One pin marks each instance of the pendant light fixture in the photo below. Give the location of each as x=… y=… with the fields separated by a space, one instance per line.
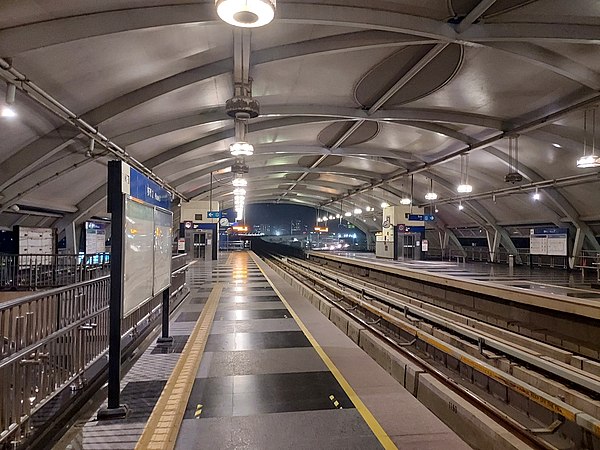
x=591 y=160
x=513 y=161
x=431 y=195
x=406 y=200
x=464 y=187
x=241 y=149
x=239 y=181
x=246 y=13
x=7 y=110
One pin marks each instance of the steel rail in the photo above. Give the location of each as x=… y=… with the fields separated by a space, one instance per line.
x=589 y=382
x=481 y=404
x=534 y=394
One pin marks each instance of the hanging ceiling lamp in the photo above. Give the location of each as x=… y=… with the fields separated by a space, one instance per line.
x=241 y=149
x=431 y=195
x=239 y=181
x=513 y=161
x=592 y=160
x=464 y=187
x=8 y=109
x=246 y=13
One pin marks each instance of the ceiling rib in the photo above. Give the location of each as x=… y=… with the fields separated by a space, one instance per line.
x=382 y=100
x=48 y=102
x=529 y=126
x=474 y=15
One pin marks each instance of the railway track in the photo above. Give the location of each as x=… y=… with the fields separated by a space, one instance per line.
x=526 y=385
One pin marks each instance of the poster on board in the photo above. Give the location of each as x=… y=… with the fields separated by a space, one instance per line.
x=163 y=235
x=538 y=245
x=139 y=254
x=557 y=245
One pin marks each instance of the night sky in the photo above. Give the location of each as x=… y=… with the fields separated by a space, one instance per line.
x=281 y=216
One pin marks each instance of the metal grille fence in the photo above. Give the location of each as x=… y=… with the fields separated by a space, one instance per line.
x=49 y=339
x=31 y=272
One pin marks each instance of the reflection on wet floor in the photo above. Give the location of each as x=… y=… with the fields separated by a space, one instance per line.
x=545 y=280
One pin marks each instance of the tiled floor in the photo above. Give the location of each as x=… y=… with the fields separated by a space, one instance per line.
x=261 y=384
x=259 y=370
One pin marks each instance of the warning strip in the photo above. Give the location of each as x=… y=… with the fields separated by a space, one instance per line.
x=163 y=426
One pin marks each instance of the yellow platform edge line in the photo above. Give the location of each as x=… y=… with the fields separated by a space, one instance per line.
x=164 y=423
x=366 y=414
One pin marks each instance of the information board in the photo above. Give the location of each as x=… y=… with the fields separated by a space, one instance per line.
x=163 y=233
x=549 y=241
x=95 y=238
x=36 y=241
x=139 y=255
x=557 y=245
x=538 y=245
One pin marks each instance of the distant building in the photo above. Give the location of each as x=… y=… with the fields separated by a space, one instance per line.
x=297 y=227
x=262 y=228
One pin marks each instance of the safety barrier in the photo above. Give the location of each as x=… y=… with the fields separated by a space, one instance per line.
x=49 y=339
x=31 y=272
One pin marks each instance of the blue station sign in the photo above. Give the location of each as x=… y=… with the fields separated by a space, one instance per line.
x=214 y=214
x=420 y=217
x=143 y=188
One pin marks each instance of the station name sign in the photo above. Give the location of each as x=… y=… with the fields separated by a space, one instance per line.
x=139 y=186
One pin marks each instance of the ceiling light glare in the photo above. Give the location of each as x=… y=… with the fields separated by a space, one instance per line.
x=246 y=13
x=557 y=145
x=437 y=210
x=536 y=195
x=239 y=182
x=405 y=201
x=337 y=216
x=588 y=162
x=369 y=209
x=431 y=196
x=385 y=205
x=7 y=109
x=460 y=206
x=348 y=214
x=331 y=217
x=239 y=192
x=9 y=112
x=325 y=218
x=241 y=149
x=357 y=211
x=464 y=189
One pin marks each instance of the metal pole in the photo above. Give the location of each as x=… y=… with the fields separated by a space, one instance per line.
x=116 y=206
x=165 y=338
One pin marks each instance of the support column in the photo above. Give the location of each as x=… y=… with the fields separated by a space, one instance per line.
x=71 y=238
x=577 y=247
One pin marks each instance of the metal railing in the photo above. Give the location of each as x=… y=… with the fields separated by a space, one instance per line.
x=31 y=272
x=49 y=339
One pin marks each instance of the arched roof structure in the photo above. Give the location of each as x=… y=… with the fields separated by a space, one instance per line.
x=357 y=98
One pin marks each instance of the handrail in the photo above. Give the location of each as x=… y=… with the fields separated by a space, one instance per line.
x=55 y=291
x=49 y=339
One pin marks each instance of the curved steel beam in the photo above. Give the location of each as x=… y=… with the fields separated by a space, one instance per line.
x=38 y=151
x=66 y=29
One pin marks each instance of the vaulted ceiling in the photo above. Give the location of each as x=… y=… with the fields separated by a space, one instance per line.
x=357 y=98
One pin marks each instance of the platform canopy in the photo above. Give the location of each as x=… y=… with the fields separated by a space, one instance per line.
x=361 y=102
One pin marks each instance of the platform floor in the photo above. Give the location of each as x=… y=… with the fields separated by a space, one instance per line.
x=274 y=374
x=546 y=280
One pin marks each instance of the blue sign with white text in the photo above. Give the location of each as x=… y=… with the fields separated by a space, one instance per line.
x=214 y=214
x=420 y=217
x=147 y=190
x=544 y=231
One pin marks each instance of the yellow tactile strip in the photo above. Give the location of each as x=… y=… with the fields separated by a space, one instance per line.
x=163 y=426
